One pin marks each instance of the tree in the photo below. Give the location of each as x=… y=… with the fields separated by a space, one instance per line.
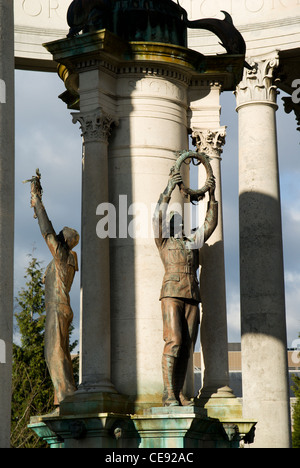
x=33 y=392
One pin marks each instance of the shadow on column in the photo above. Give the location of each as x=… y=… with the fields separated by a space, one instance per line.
x=213 y=333
x=263 y=320
x=122 y=268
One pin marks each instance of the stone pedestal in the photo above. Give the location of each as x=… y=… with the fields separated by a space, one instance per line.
x=157 y=428
x=96 y=430
x=185 y=427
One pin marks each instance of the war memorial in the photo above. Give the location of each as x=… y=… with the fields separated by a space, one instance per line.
x=141 y=78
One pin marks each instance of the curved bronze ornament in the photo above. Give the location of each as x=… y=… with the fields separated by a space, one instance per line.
x=187 y=157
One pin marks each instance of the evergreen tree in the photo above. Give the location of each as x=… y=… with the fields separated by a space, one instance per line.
x=33 y=392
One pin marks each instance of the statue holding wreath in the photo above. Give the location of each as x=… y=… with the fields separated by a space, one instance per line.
x=180 y=293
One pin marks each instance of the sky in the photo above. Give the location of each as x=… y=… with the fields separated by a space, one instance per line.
x=47 y=139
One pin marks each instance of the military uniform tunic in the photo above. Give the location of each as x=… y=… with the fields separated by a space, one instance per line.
x=180 y=292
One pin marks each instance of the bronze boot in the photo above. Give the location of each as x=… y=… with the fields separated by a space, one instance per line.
x=181 y=370
x=168 y=370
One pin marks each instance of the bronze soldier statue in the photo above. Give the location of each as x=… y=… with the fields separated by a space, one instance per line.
x=58 y=280
x=180 y=293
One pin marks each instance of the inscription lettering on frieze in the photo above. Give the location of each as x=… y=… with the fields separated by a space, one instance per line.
x=156 y=88
x=48 y=9
x=239 y=7
x=296 y=93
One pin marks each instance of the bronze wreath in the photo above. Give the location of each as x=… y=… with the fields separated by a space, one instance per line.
x=201 y=158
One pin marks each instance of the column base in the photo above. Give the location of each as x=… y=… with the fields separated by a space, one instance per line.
x=220 y=404
x=89 y=401
x=85 y=402
x=227 y=408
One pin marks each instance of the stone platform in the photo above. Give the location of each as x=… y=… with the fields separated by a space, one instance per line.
x=157 y=428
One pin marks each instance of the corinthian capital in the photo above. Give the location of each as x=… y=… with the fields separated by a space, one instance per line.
x=95 y=125
x=210 y=141
x=258 y=84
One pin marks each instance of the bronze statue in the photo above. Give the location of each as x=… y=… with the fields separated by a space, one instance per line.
x=82 y=14
x=132 y=19
x=180 y=293
x=58 y=280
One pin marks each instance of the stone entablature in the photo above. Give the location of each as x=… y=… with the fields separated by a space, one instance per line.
x=266 y=25
x=38 y=22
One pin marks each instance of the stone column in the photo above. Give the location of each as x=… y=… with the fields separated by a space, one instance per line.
x=6 y=213
x=152 y=112
x=95 y=270
x=263 y=322
x=213 y=328
x=209 y=137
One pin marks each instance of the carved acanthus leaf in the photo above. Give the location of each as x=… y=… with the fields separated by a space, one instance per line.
x=95 y=126
x=209 y=141
x=259 y=83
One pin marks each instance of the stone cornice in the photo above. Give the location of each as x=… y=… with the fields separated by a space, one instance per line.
x=104 y=48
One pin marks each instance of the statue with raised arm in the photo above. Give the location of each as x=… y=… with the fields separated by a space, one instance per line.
x=180 y=293
x=58 y=280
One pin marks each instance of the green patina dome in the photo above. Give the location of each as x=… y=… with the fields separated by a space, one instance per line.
x=155 y=21
x=132 y=20
x=150 y=20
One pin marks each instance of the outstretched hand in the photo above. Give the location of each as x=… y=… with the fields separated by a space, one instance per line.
x=36 y=188
x=212 y=187
x=174 y=180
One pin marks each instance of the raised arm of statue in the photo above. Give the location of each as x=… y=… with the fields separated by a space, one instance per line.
x=160 y=228
x=203 y=233
x=45 y=224
x=211 y=219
